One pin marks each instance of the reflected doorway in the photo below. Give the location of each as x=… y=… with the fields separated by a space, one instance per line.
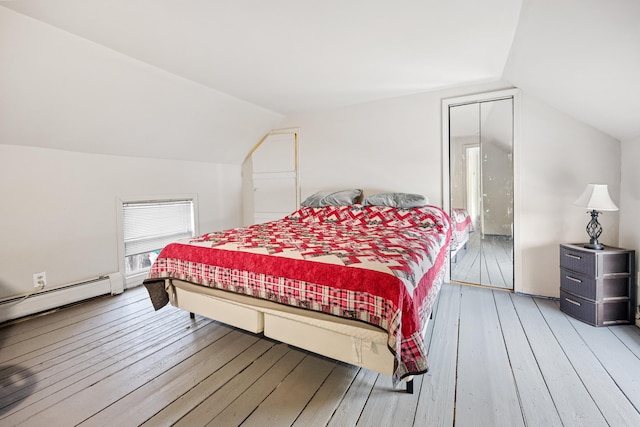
x=472 y=169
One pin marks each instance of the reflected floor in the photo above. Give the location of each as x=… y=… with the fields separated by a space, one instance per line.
x=493 y=268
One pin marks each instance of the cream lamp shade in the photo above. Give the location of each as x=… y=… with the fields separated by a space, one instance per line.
x=596 y=197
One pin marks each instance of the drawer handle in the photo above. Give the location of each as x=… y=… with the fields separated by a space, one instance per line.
x=572 y=302
x=573 y=256
x=573 y=279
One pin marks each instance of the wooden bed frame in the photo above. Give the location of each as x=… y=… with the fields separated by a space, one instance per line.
x=349 y=341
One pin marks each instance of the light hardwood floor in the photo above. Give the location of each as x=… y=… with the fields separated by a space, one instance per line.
x=496 y=359
x=487 y=261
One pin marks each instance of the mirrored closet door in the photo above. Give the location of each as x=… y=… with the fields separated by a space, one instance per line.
x=481 y=192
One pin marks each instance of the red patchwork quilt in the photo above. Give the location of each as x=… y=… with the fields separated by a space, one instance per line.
x=376 y=264
x=462 y=226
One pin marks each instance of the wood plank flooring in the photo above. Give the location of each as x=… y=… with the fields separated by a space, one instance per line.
x=496 y=359
x=487 y=261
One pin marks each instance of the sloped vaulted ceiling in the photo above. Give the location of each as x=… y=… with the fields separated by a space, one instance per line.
x=582 y=57
x=64 y=92
x=291 y=56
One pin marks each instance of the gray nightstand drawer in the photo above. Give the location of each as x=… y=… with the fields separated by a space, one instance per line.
x=578 y=284
x=576 y=260
x=578 y=308
x=615 y=287
x=610 y=287
x=608 y=313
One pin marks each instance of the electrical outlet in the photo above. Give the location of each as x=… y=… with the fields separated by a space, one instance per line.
x=40 y=280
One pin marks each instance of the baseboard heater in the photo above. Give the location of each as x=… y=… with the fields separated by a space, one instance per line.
x=48 y=299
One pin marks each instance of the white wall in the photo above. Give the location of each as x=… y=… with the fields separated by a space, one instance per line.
x=59 y=208
x=390 y=145
x=396 y=145
x=630 y=201
x=68 y=96
x=558 y=157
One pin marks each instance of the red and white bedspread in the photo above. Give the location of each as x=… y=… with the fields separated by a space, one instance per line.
x=462 y=226
x=376 y=264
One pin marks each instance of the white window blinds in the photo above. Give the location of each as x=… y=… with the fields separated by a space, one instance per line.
x=149 y=226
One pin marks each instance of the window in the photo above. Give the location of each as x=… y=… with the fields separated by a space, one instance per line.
x=147 y=226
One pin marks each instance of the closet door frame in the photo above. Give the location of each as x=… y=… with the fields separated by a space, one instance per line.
x=446 y=178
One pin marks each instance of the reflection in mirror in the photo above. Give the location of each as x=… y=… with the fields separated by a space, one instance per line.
x=481 y=168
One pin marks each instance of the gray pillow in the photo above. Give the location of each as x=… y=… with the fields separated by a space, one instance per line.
x=333 y=198
x=397 y=200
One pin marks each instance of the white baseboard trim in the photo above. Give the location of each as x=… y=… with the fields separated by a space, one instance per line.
x=48 y=299
x=136 y=279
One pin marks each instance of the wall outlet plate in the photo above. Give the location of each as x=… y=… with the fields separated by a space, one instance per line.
x=40 y=280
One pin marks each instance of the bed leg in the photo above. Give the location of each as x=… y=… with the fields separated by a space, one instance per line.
x=192 y=315
x=410 y=386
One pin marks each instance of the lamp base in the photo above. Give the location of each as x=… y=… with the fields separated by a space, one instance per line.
x=594 y=230
x=597 y=246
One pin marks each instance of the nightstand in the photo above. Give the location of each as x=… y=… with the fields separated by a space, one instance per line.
x=598 y=286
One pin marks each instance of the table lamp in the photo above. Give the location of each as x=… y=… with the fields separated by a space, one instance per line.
x=595 y=198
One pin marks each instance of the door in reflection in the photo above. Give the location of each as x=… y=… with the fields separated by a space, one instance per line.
x=481 y=192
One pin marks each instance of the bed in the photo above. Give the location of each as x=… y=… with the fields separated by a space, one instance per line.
x=462 y=226
x=353 y=283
